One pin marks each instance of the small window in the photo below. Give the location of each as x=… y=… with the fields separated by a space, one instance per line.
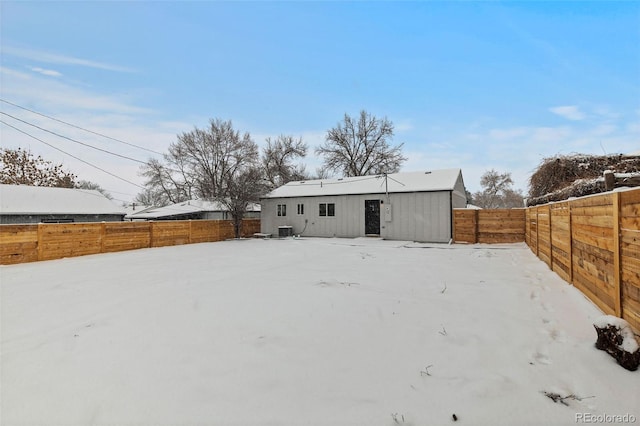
x=300 y=208
x=327 y=209
x=282 y=209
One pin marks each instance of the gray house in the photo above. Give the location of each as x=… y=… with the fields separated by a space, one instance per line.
x=415 y=206
x=192 y=209
x=39 y=204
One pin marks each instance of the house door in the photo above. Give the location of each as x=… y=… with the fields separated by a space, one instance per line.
x=372 y=217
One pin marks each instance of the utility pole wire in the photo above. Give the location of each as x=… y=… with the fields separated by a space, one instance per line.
x=72 y=140
x=73 y=156
x=81 y=128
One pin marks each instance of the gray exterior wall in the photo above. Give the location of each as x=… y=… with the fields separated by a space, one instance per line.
x=459 y=195
x=37 y=218
x=415 y=216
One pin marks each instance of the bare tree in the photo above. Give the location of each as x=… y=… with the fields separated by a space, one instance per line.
x=278 y=157
x=20 y=167
x=243 y=188
x=216 y=163
x=167 y=182
x=497 y=192
x=358 y=147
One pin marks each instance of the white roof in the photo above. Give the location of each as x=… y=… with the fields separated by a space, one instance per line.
x=23 y=199
x=186 y=207
x=435 y=180
x=135 y=208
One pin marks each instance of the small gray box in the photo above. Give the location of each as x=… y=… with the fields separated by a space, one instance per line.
x=285 y=231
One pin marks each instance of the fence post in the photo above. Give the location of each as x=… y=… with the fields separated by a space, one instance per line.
x=570 y=245
x=537 y=233
x=40 y=243
x=550 y=239
x=103 y=235
x=151 y=233
x=617 y=299
x=475 y=226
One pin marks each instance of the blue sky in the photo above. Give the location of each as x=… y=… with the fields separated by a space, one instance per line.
x=475 y=85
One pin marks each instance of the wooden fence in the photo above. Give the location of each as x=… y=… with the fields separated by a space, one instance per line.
x=488 y=226
x=33 y=242
x=593 y=243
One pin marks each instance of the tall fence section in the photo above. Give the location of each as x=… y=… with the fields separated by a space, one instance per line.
x=592 y=242
x=33 y=242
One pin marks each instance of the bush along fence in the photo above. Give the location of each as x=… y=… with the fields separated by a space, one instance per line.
x=593 y=243
x=33 y=242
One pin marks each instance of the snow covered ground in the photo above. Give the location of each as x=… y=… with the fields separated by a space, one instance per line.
x=306 y=331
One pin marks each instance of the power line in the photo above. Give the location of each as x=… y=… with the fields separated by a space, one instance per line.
x=71 y=155
x=72 y=140
x=81 y=128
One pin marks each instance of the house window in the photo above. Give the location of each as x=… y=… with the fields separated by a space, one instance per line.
x=300 y=208
x=327 y=209
x=282 y=209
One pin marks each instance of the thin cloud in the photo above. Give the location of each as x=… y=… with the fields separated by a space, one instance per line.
x=54 y=58
x=49 y=73
x=570 y=112
x=34 y=89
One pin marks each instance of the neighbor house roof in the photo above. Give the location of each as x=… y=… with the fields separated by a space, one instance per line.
x=435 y=180
x=22 y=199
x=185 y=208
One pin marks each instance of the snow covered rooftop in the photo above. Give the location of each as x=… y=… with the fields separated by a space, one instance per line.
x=22 y=199
x=435 y=180
x=186 y=207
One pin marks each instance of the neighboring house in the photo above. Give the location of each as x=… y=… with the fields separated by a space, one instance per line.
x=135 y=208
x=39 y=204
x=414 y=206
x=192 y=209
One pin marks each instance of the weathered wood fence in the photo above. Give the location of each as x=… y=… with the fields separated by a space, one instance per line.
x=33 y=242
x=593 y=243
x=489 y=226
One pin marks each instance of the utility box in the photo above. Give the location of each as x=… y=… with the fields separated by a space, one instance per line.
x=285 y=231
x=387 y=212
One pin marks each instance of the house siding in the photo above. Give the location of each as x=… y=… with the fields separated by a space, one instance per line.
x=415 y=216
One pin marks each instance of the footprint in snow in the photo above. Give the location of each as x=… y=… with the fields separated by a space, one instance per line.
x=547 y=307
x=541 y=357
